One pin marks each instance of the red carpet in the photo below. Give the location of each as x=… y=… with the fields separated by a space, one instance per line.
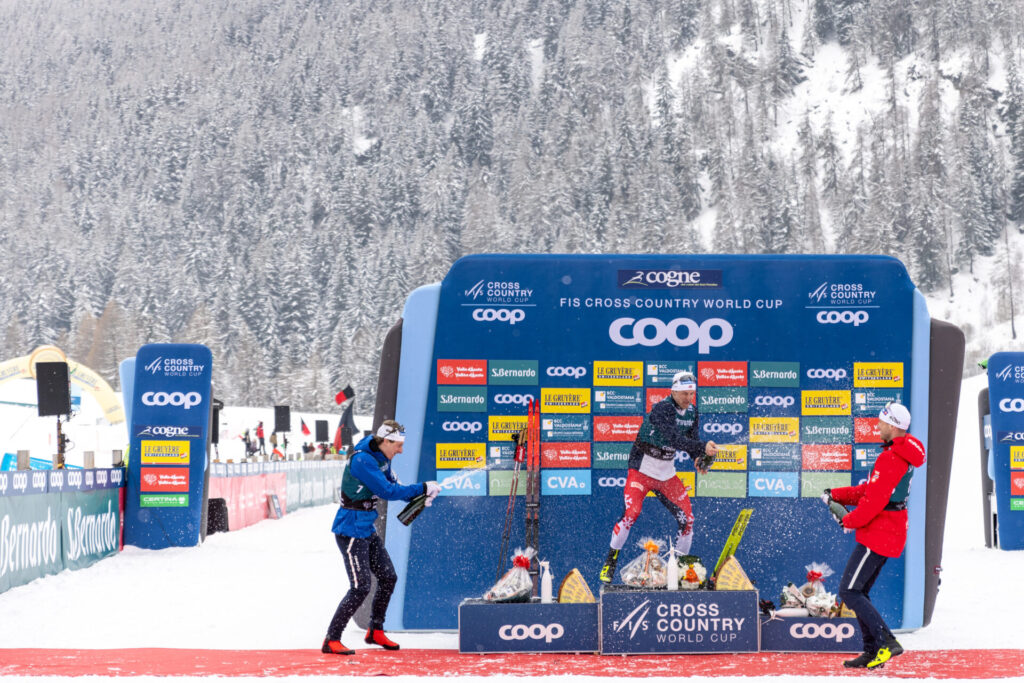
x=974 y=664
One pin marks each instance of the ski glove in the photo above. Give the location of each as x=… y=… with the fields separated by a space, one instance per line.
x=431 y=488
x=826 y=497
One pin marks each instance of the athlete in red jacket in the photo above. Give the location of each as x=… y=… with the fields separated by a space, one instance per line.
x=880 y=522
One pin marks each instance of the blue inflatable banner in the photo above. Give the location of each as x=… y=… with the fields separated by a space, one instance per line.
x=169 y=436
x=794 y=356
x=1006 y=399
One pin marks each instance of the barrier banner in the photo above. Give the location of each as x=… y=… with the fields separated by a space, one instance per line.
x=807 y=634
x=30 y=538
x=90 y=525
x=527 y=627
x=666 y=622
x=246 y=486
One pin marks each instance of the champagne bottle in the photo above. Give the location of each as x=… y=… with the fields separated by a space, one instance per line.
x=413 y=509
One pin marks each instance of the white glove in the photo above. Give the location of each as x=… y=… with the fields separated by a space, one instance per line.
x=432 y=491
x=826 y=498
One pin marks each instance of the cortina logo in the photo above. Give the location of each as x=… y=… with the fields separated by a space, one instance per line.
x=1012 y=405
x=177 y=398
x=633 y=621
x=838 y=633
x=820 y=293
x=476 y=290
x=454 y=426
x=855 y=318
x=567 y=371
x=534 y=632
x=505 y=315
x=1004 y=374
x=154 y=367
x=696 y=333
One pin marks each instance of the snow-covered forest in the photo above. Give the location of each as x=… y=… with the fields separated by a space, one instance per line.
x=272 y=178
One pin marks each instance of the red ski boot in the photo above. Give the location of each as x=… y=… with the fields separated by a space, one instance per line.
x=375 y=636
x=335 y=647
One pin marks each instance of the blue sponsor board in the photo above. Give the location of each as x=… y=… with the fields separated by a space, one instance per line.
x=511 y=400
x=565 y=427
x=618 y=401
x=772 y=402
x=807 y=634
x=565 y=483
x=660 y=373
x=676 y=622
x=1006 y=403
x=527 y=627
x=774 y=457
x=773 y=484
x=724 y=428
x=464 y=483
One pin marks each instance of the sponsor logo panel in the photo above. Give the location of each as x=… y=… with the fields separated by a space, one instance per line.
x=722 y=373
x=504 y=315
x=722 y=485
x=512 y=372
x=1017 y=484
x=178 y=399
x=498 y=292
x=500 y=483
x=163 y=500
x=656 y=395
x=827 y=457
x=457 y=456
x=564 y=400
x=774 y=485
x=565 y=483
x=567 y=372
x=501 y=455
x=841 y=294
x=774 y=374
x=826 y=430
x=1010 y=437
x=854 y=318
x=163 y=479
x=825 y=402
x=618 y=401
x=466 y=425
x=681 y=332
x=505 y=400
x=642 y=278
x=775 y=402
x=168 y=431
x=813 y=484
x=564 y=455
x=864 y=457
x=565 y=428
x=722 y=400
x=689 y=480
x=462 y=399
x=660 y=373
x=611 y=456
x=1017 y=505
x=1017 y=457
x=461 y=371
x=464 y=484
x=723 y=428
x=827 y=377
x=504 y=427
x=174 y=367
x=611 y=480
x=878 y=374
x=165 y=452
x=865 y=430
x=869 y=402
x=616 y=428
x=730 y=457
x=774 y=429
x=618 y=373
x=775 y=458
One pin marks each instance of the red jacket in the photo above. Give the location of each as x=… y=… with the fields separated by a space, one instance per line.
x=883 y=531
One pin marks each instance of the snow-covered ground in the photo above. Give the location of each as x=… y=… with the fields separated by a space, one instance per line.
x=275 y=586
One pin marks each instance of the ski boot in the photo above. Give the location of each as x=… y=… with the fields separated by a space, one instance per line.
x=375 y=636
x=335 y=647
x=860 y=661
x=892 y=648
x=608 y=570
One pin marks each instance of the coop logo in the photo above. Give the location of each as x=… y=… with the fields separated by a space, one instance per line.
x=567 y=371
x=503 y=315
x=827 y=373
x=670 y=279
x=454 y=426
x=712 y=333
x=782 y=401
x=611 y=482
x=512 y=399
x=723 y=428
x=547 y=633
x=176 y=432
x=842 y=294
x=855 y=318
x=177 y=398
x=1012 y=405
x=836 y=632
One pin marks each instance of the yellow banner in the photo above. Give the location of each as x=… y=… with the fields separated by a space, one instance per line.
x=688 y=478
x=457 y=456
x=618 y=373
x=826 y=402
x=504 y=427
x=774 y=429
x=878 y=374
x=730 y=457
x=565 y=400
x=1017 y=457
x=166 y=452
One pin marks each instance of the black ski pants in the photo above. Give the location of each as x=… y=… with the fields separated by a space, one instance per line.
x=861 y=571
x=363 y=556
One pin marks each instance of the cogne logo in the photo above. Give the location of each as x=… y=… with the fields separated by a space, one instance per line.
x=855 y=318
x=503 y=315
x=177 y=398
x=712 y=333
x=454 y=426
x=567 y=371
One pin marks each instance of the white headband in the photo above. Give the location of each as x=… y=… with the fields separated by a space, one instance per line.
x=390 y=433
x=684 y=386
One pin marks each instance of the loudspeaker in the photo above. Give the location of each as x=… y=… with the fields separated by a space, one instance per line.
x=346 y=436
x=321 y=431
x=53 y=389
x=215 y=420
x=282 y=419
x=216 y=515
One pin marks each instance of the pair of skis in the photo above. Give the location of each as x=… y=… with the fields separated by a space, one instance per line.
x=528 y=453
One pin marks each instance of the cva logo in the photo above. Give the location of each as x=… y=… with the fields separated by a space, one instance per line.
x=723 y=428
x=466 y=426
x=784 y=401
x=513 y=399
x=504 y=315
x=712 y=333
x=567 y=371
x=611 y=482
x=177 y=398
x=547 y=633
x=855 y=318
x=1012 y=405
x=838 y=633
x=827 y=373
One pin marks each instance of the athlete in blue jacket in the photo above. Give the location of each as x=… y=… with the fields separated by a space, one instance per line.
x=367 y=479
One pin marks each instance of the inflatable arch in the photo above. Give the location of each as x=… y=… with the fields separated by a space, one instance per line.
x=25 y=368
